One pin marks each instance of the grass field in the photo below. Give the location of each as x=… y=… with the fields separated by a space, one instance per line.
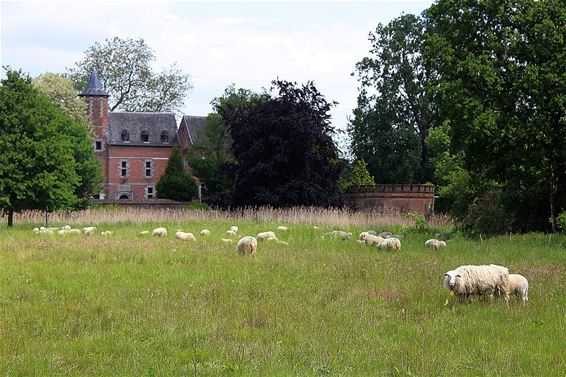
x=134 y=305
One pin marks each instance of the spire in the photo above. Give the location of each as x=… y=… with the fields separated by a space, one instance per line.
x=94 y=88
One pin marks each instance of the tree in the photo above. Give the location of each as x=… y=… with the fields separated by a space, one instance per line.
x=501 y=86
x=211 y=157
x=358 y=175
x=41 y=147
x=61 y=91
x=124 y=68
x=283 y=147
x=176 y=183
x=395 y=108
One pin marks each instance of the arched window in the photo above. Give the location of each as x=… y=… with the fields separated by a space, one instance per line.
x=164 y=137
x=125 y=136
x=124 y=197
x=145 y=136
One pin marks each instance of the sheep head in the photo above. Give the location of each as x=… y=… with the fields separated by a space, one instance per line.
x=450 y=279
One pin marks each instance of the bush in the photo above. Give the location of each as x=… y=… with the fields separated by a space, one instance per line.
x=561 y=221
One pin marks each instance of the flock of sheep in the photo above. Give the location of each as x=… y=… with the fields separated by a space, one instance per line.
x=465 y=282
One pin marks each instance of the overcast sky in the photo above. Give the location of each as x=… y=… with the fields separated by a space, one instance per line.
x=216 y=43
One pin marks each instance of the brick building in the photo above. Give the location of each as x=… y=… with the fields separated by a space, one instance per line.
x=133 y=147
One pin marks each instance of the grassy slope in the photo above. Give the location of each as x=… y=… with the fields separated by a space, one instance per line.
x=131 y=305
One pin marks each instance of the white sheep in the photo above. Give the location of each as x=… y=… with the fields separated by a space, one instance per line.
x=234 y=228
x=159 y=232
x=370 y=239
x=144 y=233
x=231 y=233
x=185 y=236
x=66 y=227
x=47 y=231
x=435 y=244
x=272 y=238
x=315 y=227
x=89 y=230
x=227 y=240
x=205 y=232
x=107 y=233
x=65 y=231
x=247 y=245
x=519 y=285
x=483 y=281
x=265 y=235
x=340 y=234
x=282 y=228
x=390 y=244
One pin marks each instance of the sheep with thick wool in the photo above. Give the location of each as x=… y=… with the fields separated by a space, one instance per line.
x=247 y=245
x=483 y=281
x=370 y=239
x=205 y=232
x=89 y=230
x=339 y=234
x=265 y=235
x=390 y=244
x=185 y=236
x=435 y=244
x=159 y=232
x=519 y=286
x=282 y=228
x=234 y=228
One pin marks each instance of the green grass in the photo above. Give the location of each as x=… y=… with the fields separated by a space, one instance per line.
x=134 y=305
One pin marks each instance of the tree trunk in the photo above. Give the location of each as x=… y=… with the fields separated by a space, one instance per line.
x=10 y=217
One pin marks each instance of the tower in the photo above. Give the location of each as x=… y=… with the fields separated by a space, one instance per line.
x=96 y=100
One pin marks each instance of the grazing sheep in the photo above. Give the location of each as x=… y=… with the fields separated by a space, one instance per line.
x=315 y=227
x=107 y=233
x=435 y=244
x=144 y=232
x=36 y=230
x=159 y=232
x=234 y=228
x=64 y=232
x=231 y=233
x=66 y=227
x=272 y=238
x=205 y=232
x=89 y=230
x=265 y=235
x=370 y=239
x=340 y=234
x=227 y=240
x=385 y=234
x=483 y=281
x=48 y=231
x=390 y=244
x=247 y=245
x=282 y=228
x=185 y=236
x=519 y=285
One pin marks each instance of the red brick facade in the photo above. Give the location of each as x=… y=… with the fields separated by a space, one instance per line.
x=403 y=198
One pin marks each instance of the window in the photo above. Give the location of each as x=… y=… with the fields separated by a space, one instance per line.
x=164 y=137
x=124 y=197
x=148 y=167
x=124 y=168
x=125 y=136
x=98 y=145
x=145 y=137
x=149 y=192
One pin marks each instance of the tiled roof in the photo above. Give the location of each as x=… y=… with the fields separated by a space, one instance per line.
x=94 y=88
x=136 y=125
x=194 y=125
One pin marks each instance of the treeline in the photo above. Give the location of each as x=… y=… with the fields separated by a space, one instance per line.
x=470 y=96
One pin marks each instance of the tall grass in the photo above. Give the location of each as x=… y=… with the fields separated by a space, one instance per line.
x=295 y=215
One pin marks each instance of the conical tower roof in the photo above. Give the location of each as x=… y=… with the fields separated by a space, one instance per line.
x=94 y=88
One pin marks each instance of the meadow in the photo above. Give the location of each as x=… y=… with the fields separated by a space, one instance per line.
x=144 y=306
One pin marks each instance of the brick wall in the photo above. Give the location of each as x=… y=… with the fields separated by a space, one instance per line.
x=404 y=198
x=134 y=184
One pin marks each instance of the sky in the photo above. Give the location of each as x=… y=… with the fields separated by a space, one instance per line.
x=248 y=44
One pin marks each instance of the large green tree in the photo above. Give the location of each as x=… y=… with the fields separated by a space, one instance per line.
x=501 y=89
x=47 y=159
x=211 y=158
x=176 y=183
x=283 y=147
x=395 y=108
x=124 y=68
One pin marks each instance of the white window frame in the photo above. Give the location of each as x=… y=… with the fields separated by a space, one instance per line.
x=101 y=146
x=147 y=194
x=121 y=167
x=145 y=168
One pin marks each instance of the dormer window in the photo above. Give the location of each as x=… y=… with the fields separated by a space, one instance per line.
x=164 y=137
x=125 y=136
x=145 y=136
